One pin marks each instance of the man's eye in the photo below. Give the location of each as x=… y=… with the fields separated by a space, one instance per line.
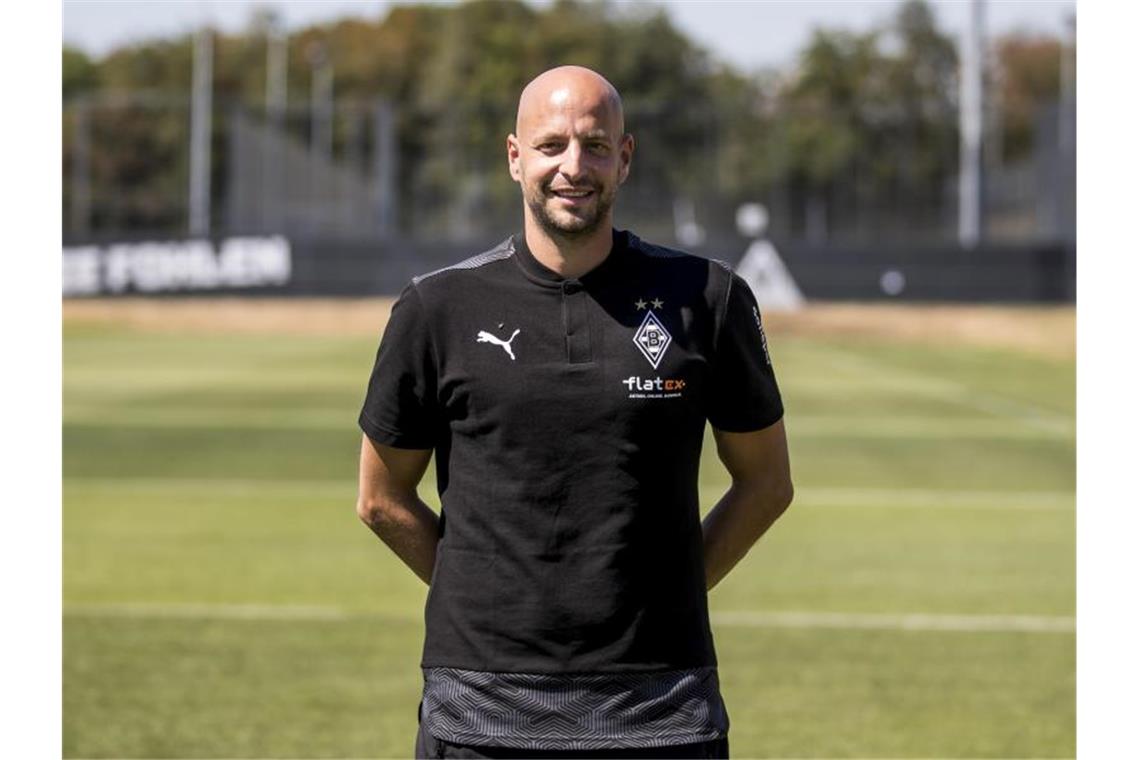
x=550 y=147
x=599 y=148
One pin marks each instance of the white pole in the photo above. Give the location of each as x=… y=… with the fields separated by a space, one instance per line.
x=321 y=101
x=970 y=127
x=201 y=109
x=273 y=193
x=276 y=74
x=323 y=108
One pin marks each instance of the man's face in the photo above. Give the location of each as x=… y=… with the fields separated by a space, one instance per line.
x=569 y=156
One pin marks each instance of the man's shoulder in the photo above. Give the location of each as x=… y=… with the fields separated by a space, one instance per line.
x=479 y=263
x=677 y=262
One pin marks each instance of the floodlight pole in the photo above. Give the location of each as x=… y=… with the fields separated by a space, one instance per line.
x=321 y=101
x=970 y=128
x=201 y=110
x=273 y=193
x=276 y=73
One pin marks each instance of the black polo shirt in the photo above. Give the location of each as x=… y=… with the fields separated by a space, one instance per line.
x=567 y=418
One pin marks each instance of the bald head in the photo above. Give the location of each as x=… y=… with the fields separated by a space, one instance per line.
x=569 y=153
x=569 y=88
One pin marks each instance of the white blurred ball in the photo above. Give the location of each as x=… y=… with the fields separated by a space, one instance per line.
x=892 y=282
x=751 y=219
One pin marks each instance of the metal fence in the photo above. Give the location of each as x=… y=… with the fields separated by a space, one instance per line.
x=351 y=173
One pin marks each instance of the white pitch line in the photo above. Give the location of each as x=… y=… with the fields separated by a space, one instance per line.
x=295 y=612
x=897 y=622
x=950 y=390
x=730 y=619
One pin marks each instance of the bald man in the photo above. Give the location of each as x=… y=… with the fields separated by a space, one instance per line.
x=563 y=380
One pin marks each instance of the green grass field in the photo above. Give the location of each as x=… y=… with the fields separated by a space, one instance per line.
x=221 y=598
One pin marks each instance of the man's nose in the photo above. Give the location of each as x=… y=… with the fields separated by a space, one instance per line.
x=571 y=166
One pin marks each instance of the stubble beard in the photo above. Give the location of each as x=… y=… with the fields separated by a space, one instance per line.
x=566 y=225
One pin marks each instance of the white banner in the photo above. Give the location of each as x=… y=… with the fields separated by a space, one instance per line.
x=163 y=267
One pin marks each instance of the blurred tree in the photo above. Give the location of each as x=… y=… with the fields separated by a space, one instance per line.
x=865 y=119
x=824 y=117
x=923 y=79
x=664 y=78
x=159 y=66
x=1029 y=77
x=870 y=115
x=80 y=74
x=466 y=98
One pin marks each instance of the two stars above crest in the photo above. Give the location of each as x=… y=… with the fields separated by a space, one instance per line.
x=641 y=303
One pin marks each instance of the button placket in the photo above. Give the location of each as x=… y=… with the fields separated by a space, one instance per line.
x=575 y=323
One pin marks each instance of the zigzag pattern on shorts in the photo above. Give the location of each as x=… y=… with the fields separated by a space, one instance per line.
x=573 y=711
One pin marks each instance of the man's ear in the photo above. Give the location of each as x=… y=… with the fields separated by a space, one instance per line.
x=513 y=158
x=625 y=153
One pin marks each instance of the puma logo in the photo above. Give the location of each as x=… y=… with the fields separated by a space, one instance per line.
x=486 y=337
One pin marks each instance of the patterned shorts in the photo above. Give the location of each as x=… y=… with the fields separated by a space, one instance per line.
x=427 y=746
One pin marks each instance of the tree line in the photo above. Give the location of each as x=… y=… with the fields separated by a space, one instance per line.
x=860 y=115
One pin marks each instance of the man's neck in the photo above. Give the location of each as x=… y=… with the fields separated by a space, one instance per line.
x=569 y=258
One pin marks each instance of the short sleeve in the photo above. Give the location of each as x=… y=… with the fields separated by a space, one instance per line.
x=400 y=407
x=744 y=395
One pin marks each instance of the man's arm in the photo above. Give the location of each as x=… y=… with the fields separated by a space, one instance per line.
x=760 y=492
x=389 y=505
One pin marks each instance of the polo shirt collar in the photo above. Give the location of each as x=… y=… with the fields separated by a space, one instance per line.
x=538 y=272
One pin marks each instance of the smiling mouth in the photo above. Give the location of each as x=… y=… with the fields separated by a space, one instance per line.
x=572 y=194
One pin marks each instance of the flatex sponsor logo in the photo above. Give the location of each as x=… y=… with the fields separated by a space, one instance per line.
x=653 y=387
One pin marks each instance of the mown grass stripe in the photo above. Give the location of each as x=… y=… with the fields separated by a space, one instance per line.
x=931 y=428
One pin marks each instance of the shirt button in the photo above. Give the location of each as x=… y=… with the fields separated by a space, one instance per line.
x=571 y=286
